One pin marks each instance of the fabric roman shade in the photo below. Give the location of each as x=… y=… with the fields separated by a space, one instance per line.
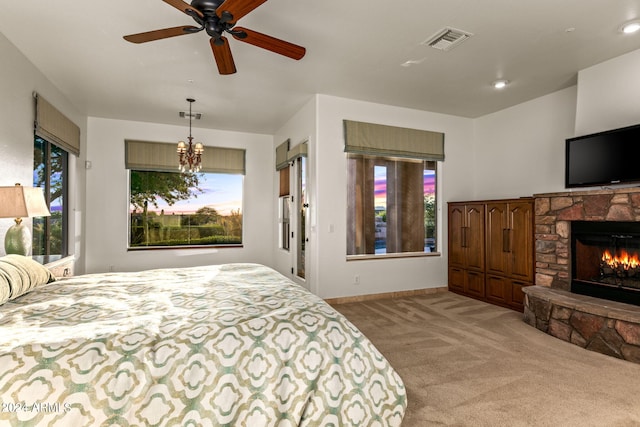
x=162 y=156
x=299 y=150
x=55 y=127
x=281 y=155
x=391 y=141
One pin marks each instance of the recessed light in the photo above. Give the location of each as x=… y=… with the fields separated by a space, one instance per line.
x=500 y=84
x=630 y=27
x=412 y=62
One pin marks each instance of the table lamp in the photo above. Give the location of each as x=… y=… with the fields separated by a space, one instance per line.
x=21 y=202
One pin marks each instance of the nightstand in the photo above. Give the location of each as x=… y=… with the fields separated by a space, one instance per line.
x=59 y=266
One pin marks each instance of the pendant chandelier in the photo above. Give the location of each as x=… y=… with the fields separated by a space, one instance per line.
x=190 y=154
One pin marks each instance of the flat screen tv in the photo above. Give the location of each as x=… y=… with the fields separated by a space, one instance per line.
x=604 y=158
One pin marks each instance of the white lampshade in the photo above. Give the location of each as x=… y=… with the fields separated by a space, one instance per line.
x=182 y=147
x=22 y=202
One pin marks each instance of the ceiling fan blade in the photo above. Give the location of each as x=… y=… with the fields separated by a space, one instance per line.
x=222 y=55
x=161 y=34
x=237 y=9
x=184 y=7
x=273 y=44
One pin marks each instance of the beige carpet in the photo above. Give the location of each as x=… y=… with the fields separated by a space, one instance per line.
x=468 y=363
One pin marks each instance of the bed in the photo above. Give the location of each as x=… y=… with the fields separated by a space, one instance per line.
x=221 y=345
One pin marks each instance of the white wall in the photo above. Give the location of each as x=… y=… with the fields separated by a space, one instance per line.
x=521 y=150
x=609 y=95
x=19 y=78
x=107 y=204
x=334 y=273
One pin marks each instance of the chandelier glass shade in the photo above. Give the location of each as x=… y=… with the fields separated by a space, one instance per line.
x=190 y=154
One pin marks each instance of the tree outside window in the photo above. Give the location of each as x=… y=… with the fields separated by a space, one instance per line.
x=183 y=209
x=50 y=172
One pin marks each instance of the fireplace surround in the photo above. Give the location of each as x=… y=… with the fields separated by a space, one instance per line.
x=555 y=305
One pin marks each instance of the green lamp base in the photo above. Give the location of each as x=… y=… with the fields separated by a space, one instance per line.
x=18 y=240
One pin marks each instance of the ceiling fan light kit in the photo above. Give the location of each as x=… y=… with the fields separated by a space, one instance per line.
x=217 y=17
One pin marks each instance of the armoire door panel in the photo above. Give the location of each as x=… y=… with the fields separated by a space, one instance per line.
x=517 y=296
x=456 y=279
x=498 y=289
x=474 y=283
x=497 y=257
x=474 y=238
x=521 y=256
x=456 y=231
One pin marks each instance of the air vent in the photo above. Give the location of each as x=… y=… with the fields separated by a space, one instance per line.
x=447 y=39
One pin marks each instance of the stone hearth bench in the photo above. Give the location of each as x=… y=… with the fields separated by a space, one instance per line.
x=607 y=327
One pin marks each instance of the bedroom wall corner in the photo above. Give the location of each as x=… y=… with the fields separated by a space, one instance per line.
x=19 y=78
x=335 y=273
x=520 y=150
x=608 y=95
x=107 y=198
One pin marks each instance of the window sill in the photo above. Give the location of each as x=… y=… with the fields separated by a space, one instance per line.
x=155 y=248
x=392 y=256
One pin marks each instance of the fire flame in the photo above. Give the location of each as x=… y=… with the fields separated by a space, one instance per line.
x=624 y=260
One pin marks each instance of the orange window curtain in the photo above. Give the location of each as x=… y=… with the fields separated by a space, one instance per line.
x=284 y=182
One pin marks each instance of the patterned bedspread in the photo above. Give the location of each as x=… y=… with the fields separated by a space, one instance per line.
x=228 y=345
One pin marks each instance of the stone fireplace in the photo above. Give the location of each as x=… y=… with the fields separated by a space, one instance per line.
x=605 y=260
x=564 y=303
x=554 y=214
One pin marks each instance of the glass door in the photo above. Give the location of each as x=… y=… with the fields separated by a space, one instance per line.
x=303 y=208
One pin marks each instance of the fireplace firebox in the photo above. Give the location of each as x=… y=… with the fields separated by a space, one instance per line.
x=605 y=260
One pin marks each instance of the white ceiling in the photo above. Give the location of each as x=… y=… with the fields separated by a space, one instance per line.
x=355 y=49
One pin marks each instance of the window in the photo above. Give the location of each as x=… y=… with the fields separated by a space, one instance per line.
x=391 y=205
x=56 y=137
x=391 y=188
x=184 y=209
x=303 y=211
x=285 y=222
x=173 y=209
x=284 y=215
x=50 y=172
x=293 y=201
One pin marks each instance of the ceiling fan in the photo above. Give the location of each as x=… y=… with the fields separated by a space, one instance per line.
x=217 y=17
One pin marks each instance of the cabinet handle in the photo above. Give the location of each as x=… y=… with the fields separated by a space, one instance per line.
x=506 y=240
x=464 y=237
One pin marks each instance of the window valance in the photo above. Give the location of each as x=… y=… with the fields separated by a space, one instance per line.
x=391 y=141
x=53 y=126
x=281 y=155
x=299 y=150
x=162 y=156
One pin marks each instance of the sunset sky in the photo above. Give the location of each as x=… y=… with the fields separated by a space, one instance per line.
x=224 y=193
x=380 y=185
x=220 y=191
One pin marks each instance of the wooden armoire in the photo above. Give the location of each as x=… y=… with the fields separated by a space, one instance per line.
x=491 y=250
